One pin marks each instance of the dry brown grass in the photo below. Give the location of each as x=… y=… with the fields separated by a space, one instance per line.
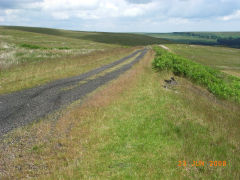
x=208 y=108
x=232 y=72
x=221 y=113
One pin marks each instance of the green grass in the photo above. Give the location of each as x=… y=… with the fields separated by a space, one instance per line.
x=149 y=129
x=30 y=46
x=218 y=83
x=131 y=129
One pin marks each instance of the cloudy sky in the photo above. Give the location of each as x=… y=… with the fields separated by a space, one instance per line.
x=124 y=15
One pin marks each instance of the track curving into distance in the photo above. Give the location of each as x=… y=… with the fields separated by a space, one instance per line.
x=22 y=107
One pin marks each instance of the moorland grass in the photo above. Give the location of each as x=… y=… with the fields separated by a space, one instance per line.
x=18 y=46
x=122 y=39
x=33 y=56
x=33 y=74
x=133 y=128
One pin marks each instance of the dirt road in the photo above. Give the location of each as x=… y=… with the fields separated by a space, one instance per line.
x=20 y=108
x=164 y=47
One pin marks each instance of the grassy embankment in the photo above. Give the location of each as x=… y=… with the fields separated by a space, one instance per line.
x=221 y=58
x=34 y=56
x=132 y=128
x=218 y=83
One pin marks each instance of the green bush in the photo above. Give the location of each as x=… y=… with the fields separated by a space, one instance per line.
x=218 y=83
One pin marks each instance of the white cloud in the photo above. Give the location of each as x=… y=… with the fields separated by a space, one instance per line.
x=69 y=4
x=2 y=19
x=233 y=16
x=95 y=9
x=178 y=21
x=122 y=15
x=60 y=15
x=86 y=15
x=10 y=12
x=139 y=9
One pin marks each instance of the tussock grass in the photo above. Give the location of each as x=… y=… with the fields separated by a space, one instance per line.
x=33 y=74
x=132 y=128
x=32 y=47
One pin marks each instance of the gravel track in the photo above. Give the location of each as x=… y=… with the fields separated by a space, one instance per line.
x=20 y=108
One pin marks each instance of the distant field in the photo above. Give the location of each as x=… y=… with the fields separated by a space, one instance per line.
x=222 y=58
x=183 y=39
x=231 y=39
x=197 y=35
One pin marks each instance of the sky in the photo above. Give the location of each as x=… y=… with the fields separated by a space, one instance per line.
x=124 y=15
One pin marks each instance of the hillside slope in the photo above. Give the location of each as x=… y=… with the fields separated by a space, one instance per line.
x=33 y=56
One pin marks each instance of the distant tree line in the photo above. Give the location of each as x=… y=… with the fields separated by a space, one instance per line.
x=224 y=41
x=233 y=42
x=200 y=35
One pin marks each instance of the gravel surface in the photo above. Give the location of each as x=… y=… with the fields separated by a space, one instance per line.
x=20 y=108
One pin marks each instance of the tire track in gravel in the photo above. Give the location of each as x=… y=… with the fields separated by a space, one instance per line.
x=20 y=108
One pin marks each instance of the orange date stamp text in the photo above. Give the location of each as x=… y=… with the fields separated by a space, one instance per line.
x=203 y=163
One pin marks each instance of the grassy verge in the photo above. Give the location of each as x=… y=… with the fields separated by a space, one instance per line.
x=218 y=83
x=131 y=129
x=33 y=74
